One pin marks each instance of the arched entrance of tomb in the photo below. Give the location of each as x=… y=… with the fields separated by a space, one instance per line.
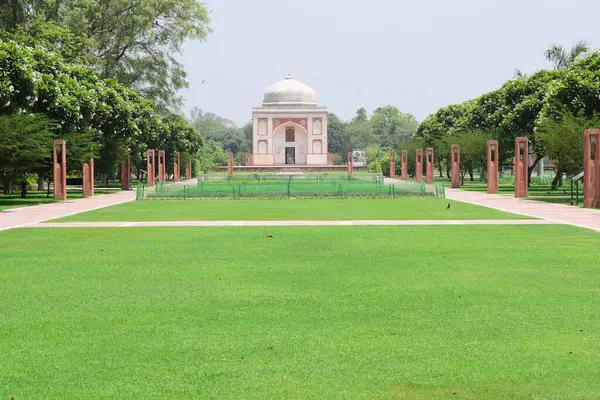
x=290 y=144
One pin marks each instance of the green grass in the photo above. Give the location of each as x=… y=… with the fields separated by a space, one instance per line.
x=538 y=192
x=273 y=210
x=37 y=197
x=452 y=312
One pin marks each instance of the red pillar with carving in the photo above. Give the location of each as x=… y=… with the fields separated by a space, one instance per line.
x=521 y=166
x=492 y=167
x=230 y=164
x=429 y=166
x=176 y=166
x=161 y=166
x=59 y=161
x=591 y=169
x=455 y=166
x=350 y=163
x=88 y=178
x=126 y=172
x=392 y=165
x=151 y=167
x=404 y=164
x=419 y=165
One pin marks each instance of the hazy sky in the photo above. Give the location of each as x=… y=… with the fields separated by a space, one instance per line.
x=417 y=55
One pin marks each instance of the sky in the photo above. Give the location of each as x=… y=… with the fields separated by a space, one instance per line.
x=417 y=55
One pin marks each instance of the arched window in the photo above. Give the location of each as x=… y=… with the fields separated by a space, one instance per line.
x=317 y=125
x=262 y=127
x=262 y=147
x=317 y=146
x=289 y=135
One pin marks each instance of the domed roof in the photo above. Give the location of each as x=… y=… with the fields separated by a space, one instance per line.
x=289 y=91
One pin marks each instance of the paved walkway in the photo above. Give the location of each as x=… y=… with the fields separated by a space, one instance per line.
x=24 y=216
x=557 y=213
x=291 y=223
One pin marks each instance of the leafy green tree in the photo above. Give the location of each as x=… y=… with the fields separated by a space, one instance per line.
x=337 y=137
x=392 y=127
x=25 y=143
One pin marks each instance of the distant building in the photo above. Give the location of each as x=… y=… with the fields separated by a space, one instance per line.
x=289 y=128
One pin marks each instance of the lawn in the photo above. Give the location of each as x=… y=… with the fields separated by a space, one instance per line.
x=274 y=210
x=451 y=312
x=36 y=197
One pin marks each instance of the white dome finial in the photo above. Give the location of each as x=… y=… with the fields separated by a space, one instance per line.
x=289 y=76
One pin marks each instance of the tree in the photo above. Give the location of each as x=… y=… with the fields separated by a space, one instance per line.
x=563 y=141
x=337 y=137
x=392 y=127
x=563 y=59
x=25 y=143
x=135 y=42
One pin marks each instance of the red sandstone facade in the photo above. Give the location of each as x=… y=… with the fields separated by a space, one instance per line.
x=59 y=158
x=492 y=167
x=404 y=164
x=455 y=166
x=419 y=165
x=521 y=166
x=591 y=169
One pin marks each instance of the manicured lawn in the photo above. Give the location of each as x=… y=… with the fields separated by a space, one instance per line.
x=37 y=197
x=538 y=192
x=452 y=312
x=273 y=210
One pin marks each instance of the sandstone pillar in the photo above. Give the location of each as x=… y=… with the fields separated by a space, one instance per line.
x=419 y=165
x=455 y=166
x=88 y=178
x=591 y=169
x=429 y=166
x=59 y=168
x=521 y=166
x=126 y=172
x=188 y=169
x=161 y=166
x=404 y=155
x=151 y=166
x=350 y=163
x=492 y=166
x=176 y=166
x=230 y=164
x=392 y=165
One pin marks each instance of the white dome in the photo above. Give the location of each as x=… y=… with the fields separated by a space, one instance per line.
x=290 y=91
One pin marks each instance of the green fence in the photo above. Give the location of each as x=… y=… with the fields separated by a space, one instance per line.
x=290 y=188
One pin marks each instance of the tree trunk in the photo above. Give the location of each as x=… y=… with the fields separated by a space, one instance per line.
x=106 y=179
x=470 y=170
x=557 y=180
x=7 y=186
x=41 y=178
x=448 y=172
x=531 y=168
x=439 y=163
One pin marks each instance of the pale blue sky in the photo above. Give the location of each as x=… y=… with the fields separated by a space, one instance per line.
x=417 y=55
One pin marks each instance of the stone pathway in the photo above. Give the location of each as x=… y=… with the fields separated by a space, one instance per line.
x=291 y=223
x=24 y=216
x=557 y=213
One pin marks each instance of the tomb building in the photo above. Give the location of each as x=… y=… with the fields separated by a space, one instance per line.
x=290 y=128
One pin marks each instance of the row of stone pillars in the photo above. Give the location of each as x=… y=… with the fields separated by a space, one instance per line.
x=151 y=163
x=591 y=167
x=59 y=167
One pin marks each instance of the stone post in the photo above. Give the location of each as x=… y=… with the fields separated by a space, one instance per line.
x=349 y=163
x=429 y=166
x=59 y=167
x=404 y=162
x=492 y=167
x=392 y=165
x=455 y=166
x=126 y=172
x=419 y=165
x=88 y=178
x=521 y=166
x=591 y=169
x=161 y=166
x=176 y=166
x=230 y=163
x=188 y=169
x=151 y=167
